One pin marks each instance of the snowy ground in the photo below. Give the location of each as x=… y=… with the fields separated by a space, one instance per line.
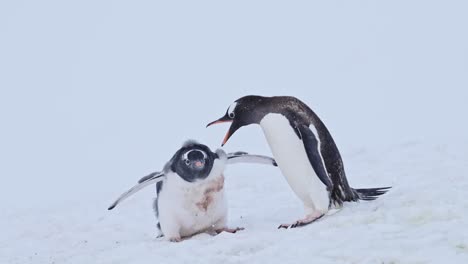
x=423 y=219
x=95 y=94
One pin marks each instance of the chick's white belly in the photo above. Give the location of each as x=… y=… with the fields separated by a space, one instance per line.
x=209 y=213
x=292 y=159
x=189 y=208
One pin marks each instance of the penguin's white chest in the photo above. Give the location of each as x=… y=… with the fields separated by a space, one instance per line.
x=291 y=157
x=187 y=208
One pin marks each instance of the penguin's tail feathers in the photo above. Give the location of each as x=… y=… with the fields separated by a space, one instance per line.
x=371 y=194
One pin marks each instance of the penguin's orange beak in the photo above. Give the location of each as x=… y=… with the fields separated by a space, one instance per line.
x=224 y=119
x=219 y=121
x=226 y=138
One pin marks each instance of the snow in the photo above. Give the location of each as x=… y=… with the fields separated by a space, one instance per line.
x=96 y=94
x=422 y=219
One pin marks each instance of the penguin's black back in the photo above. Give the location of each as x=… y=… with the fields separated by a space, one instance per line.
x=298 y=113
x=341 y=190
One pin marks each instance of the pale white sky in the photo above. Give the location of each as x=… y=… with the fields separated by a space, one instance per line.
x=93 y=92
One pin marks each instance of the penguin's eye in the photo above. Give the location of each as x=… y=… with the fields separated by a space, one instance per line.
x=231 y=109
x=187 y=162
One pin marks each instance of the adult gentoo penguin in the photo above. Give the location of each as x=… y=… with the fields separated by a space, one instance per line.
x=304 y=150
x=190 y=190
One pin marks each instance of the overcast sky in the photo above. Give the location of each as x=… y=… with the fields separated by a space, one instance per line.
x=96 y=92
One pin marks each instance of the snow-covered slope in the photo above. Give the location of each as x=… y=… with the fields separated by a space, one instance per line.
x=96 y=94
x=423 y=219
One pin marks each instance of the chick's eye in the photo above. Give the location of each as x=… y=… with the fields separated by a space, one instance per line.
x=187 y=162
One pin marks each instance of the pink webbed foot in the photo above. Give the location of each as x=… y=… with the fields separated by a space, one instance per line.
x=175 y=239
x=302 y=222
x=229 y=230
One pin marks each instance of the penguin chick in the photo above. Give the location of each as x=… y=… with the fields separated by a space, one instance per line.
x=190 y=191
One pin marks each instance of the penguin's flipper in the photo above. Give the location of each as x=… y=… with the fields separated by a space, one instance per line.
x=149 y=176
x=244 y=157
x=311 y=146
x=143 y=182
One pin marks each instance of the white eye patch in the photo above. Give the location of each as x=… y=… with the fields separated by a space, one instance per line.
x=231 y=109
x=185 y=156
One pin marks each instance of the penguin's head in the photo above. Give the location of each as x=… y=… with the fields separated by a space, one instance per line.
x=193 y=161
x=244 y=111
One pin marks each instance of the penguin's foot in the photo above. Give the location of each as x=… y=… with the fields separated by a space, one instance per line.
x=229 y=230
x=302 y=222
x=175 y=239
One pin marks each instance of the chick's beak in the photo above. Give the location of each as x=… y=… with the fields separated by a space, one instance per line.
x=199 y=164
